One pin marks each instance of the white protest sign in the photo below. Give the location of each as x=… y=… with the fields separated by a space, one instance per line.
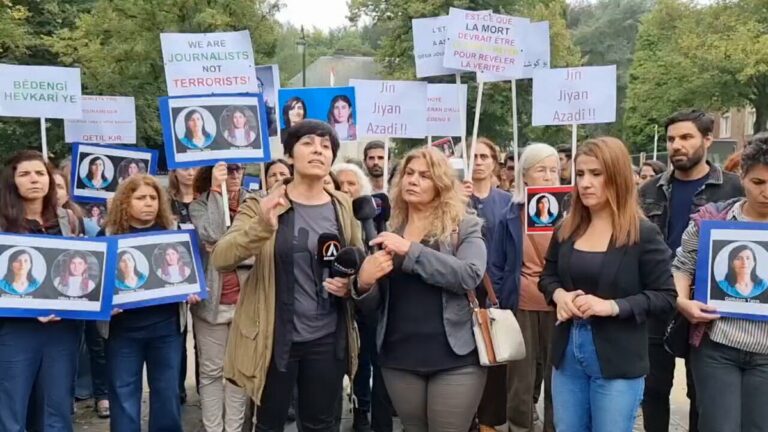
x=537 y=48
x=106 y=120
x=40 y=91
x=485 y=42
x=395 y=109
x=569 y=96
x=206 y=63
x=444 y=109
x=429 y=46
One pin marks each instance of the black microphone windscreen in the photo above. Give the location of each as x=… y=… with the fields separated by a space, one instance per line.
x=364 y=208
x=347 y=262
x=328 y=247
x=383 y=208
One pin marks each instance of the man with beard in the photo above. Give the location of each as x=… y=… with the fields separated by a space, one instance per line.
x=373 y=156
x=668 y=200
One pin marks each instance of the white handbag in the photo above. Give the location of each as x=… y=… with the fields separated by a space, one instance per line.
x=497 y=333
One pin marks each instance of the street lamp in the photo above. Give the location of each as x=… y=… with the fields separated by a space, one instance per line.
x=301 y=45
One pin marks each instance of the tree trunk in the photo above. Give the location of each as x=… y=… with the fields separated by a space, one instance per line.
x=761 y=107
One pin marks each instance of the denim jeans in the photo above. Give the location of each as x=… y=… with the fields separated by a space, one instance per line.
x=583 y=400
x=730 y=388
x=126 y=355
x=43 y=357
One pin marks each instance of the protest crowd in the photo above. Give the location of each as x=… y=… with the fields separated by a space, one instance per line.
x=456 y=288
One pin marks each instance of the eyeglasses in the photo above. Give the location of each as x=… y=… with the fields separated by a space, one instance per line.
x=231 y=169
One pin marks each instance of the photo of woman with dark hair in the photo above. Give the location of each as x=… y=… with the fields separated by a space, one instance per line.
x=341 y=118
x=129 y=277
x=172 y=268
x=196 y=134
x=543 y=214
x=294 y=111
x=93 y=220
x=96 y=177
x=239 y=131
x=74 y=280
x=741 y=280
x=18 y=279
x=130 y=167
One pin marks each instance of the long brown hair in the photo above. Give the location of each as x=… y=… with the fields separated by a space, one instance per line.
x=620 y=188
x=119 y=210
x=450 y=205
x=12 y=215
x=69 y=205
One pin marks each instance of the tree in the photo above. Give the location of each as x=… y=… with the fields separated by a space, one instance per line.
x=14 y=31
x=117 y=45
x=713 y=58
x=395 y=54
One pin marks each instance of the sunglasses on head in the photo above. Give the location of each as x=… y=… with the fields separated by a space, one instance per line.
x=233 y=168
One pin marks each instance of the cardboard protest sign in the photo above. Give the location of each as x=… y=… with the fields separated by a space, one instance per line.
x=105 y=120
x=544 y=208
x=567 y=96
x=396 y=109
x=207 y=63
x=251 y=183
x=732 y=268
x=40 y=91
x=268 y=78
x=203 y=130
x=429 y=46
x=157 y=268
x=485 y=42
x=333 y=105
x=444 y=109
x=98 y=170
x=51 y=275
x=537 y=52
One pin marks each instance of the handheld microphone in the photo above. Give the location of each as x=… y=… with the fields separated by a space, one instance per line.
x=328 y=247
x=365 y=211
x=347 y=263
x=383 y=209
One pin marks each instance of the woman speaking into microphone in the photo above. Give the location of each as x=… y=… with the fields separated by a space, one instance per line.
x=291 y=328
x=426 y=347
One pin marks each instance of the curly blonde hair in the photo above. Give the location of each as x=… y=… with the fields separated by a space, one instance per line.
x=449 y=205
x=118 y=215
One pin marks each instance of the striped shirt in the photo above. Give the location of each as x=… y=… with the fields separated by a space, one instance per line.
x=746 y=335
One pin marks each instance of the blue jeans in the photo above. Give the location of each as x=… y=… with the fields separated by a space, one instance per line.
x=583 y=400
x=43 y=356
x=126 y=354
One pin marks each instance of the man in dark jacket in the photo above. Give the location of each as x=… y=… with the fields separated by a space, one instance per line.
x=668 y=200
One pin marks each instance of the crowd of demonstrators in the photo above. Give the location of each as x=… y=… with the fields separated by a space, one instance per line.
x=650 y=169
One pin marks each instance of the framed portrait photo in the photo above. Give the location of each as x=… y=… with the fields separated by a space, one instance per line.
x=50 y=275
x=97 y=170
x=544 y=208
x=157 y=268
x=732 y=268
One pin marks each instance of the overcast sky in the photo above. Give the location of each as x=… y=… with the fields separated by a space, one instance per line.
x=323 y=14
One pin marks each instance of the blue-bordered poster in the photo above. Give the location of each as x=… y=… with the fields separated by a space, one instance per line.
x=732 y=268
x=97 y=170
x=203 y=130
x=157 y=268
x=51 y=275
x=252 y=183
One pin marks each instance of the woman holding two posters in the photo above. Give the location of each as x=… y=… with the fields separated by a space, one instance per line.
x=150 y=335
x=607 y=270
x=289 y=324
x=729 y=356
x=37 y=353
x=223 y=404
x=517 y=260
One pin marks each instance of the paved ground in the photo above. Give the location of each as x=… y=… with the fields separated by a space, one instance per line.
x=86 y=420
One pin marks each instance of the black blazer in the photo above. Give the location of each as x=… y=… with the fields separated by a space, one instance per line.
x=639 y=274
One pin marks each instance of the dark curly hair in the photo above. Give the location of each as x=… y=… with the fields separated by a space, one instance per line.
x=755 y=153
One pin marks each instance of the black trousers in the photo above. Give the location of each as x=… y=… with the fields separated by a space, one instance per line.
x=658 y=386
x=371 y=398
x=314 y=368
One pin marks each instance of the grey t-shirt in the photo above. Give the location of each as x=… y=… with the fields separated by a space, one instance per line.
x=314 y=316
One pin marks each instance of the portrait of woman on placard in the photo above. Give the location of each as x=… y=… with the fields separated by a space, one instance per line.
x=294 y=111
x=542 y=214
x=239 y=132
x=18 y=279
x=341 y=119
x=196 y=133
x=74 y=280
x=172 y=268
x=129 y=277
x=741 y=280
x=93 y=220
x=96 y=176
x=130 y=167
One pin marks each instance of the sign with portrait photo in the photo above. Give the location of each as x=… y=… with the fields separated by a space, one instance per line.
x=333 y=105
x=732 y=268
x=268 y=78
x=98 y=170
x=544 y=208
x=251 y=183
x=157 y=268
x=203 y=130
x=50 y=275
